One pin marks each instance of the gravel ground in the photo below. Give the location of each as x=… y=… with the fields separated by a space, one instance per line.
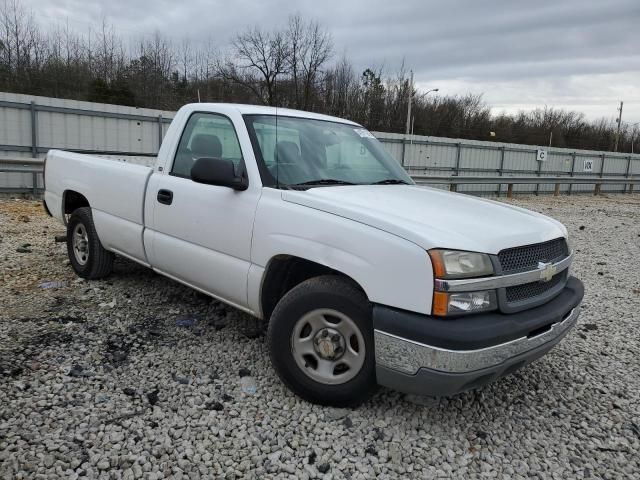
x=139 y=377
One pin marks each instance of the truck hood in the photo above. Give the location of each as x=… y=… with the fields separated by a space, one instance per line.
x=433 y=218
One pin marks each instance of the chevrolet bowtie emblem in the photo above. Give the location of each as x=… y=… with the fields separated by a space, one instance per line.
x=547 y=271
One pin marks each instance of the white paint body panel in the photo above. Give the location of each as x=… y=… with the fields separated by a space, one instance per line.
x=392 y=270
x=115 y=191
x=114 y=187
x=221 y=241
x=211 y=228
x=433 y=218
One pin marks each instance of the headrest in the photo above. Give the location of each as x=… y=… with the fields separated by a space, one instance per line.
x=287 y=152
x=206 y=145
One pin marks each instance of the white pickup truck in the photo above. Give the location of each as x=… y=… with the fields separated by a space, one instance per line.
x=304 y=221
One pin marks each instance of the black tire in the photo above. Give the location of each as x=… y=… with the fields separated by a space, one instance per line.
x=99 y=262
x=324 y=292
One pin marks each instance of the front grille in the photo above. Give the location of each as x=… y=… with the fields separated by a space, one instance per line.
x=531 y=291
x=526 y=259
x=522 y=259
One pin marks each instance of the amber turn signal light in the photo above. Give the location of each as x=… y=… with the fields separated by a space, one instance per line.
x=440 y=303
x=438 y=263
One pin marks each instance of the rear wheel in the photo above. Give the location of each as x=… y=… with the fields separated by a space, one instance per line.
x=321 y=342
x=88 y=257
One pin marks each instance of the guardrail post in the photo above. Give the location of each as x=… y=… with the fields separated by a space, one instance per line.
x=159 y=131
x=34 y=144
x=453 y=187
x=500 y=169
x=556 y=192
x=626 y=175
x=598 y=185
x=404 y=148
x=510 y=190
x=539 y=169
x=34 y=130
x=573 y=167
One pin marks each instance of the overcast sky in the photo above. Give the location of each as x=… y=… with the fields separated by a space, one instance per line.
x=576 y=54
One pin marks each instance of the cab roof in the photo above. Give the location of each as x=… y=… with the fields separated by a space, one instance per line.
x=264 y=110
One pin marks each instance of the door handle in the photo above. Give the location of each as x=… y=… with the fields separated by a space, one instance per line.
x=165 y=196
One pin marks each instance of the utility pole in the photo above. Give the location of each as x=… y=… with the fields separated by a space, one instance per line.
x=409 y=107
x=615 y=146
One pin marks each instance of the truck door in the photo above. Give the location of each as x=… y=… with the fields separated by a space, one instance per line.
x=201 y=234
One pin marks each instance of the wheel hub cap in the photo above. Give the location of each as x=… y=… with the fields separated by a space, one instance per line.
x=329 y=344
x=80 y=243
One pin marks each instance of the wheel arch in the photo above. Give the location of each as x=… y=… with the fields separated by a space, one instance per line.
x=285 y=271
x=71 y=201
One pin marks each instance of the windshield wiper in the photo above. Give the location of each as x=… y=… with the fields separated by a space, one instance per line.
x=322 y=181
x=391 y=181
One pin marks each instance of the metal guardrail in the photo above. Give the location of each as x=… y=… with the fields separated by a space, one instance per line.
x=34 y=108
x=502 y=149
x=35 y=166
x=454 y=181
x=503 y=165
x=78 y=111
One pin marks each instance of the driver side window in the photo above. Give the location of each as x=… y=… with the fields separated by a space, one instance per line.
x=206 y=135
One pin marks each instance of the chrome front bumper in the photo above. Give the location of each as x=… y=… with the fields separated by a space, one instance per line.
x=408 y=357
x=413 y=367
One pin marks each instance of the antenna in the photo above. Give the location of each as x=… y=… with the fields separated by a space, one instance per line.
x=277 y=154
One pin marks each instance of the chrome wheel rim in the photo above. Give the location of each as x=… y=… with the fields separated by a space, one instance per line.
x=328 y=346
x=80 y=244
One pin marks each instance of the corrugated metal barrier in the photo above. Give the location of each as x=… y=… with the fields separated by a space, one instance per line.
x=30 y=126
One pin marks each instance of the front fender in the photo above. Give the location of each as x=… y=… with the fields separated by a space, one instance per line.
x=391 y=270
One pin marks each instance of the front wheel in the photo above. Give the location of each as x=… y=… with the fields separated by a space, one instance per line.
x=320 y=338
x=88 y=257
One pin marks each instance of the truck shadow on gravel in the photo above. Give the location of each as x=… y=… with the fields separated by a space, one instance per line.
x=152 y=313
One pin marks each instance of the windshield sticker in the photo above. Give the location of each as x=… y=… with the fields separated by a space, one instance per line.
x=363 y=133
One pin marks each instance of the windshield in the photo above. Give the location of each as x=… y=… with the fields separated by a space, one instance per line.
x=304 y=152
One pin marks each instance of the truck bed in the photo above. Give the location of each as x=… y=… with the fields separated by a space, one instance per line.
x=114 y=189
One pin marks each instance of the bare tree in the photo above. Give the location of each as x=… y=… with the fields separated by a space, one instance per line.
x=340 y=87
x=310 y=47
x=19 y=42
x=260 y=58
x=289 y=66
x=185 y=57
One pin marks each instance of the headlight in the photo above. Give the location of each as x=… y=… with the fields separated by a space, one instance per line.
x=464 y=302
x=457 y=264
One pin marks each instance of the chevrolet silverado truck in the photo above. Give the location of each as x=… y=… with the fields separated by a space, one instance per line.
x=306 y=222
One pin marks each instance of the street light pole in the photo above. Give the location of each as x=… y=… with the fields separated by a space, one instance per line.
x=409 y=105
x=413 y=117
x=429 y=91
x=409 y=129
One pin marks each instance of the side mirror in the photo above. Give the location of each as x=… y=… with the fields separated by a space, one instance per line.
x=217 y=171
